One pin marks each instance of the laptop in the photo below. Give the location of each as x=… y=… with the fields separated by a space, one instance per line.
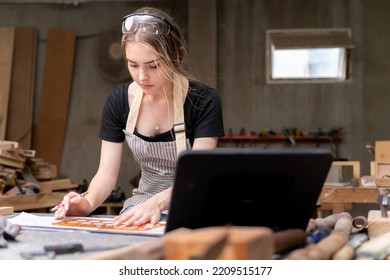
x=276 y=188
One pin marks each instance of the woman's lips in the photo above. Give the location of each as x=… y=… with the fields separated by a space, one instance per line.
x=145 y=86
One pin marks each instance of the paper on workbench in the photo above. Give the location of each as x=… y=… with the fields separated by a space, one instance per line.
x=92 y=224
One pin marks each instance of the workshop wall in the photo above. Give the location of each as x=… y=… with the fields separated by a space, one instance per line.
x=359 y=106
x=227 y=48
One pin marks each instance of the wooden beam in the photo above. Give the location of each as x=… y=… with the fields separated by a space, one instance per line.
x=21 y=102
x=7 y=36
x=348 y=194
x=58 y=184
x=49 y=135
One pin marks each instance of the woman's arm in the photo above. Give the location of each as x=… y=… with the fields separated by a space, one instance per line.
x=102 y=184
x=205 y=143
x=106 y=176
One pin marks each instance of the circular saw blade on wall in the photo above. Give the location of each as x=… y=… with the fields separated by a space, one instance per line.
x=108 y=57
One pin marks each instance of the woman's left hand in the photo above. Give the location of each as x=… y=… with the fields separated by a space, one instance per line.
x=146 y=212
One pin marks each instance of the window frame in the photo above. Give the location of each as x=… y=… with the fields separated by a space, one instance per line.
x=308 y=39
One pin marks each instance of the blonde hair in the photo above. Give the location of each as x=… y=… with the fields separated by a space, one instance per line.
x=170 y=48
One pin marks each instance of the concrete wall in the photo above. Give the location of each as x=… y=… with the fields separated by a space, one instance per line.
x=359 y=106
x=227 y=47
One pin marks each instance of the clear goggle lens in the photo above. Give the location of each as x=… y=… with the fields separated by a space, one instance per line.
x=148 y=23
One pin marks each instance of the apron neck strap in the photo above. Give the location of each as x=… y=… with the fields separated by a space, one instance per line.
x=178 y=123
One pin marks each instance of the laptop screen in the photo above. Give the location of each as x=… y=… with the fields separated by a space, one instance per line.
x=275 y=188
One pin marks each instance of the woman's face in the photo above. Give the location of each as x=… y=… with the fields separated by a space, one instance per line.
x=146 y=69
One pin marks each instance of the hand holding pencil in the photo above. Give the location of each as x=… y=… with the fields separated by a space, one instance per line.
x=73 y=200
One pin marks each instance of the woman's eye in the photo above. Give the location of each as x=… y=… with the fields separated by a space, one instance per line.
x=153 y=66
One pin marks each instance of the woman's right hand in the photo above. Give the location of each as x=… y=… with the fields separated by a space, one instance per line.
x=73 y=204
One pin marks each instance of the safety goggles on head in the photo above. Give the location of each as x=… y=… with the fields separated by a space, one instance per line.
x=148 y=23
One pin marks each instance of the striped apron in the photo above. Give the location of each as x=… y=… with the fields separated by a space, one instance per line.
x=157 y=159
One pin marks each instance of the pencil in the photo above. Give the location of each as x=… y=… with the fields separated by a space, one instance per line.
x=55 y=208
x=84 y=194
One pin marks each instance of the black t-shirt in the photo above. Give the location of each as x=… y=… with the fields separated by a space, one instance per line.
x=202 y=115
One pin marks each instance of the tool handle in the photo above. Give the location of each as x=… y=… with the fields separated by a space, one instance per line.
x=287 y=239
x=345 y=253
x=64 y=248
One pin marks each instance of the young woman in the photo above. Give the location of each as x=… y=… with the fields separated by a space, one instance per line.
x=161 y=113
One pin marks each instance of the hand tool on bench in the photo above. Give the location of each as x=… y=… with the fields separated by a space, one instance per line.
x=326 y=247
x=347 y=252
x=289 y=239
x=383 y=200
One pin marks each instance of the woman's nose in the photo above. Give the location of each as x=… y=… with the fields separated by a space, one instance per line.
x=142 y=74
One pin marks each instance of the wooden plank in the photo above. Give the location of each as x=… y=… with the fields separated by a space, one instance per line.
x=30 y=202
x=11 y=154
x=6 y=210
x=11 y=163
x=10 y=145
x=348 y=194
x=7 y=35
x=58 y=184
x=49 y=134
x=21 y=102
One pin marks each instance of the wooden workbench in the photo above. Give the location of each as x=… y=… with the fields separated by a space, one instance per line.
x=337 y=197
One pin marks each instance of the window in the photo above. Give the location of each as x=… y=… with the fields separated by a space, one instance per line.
x=312 y=55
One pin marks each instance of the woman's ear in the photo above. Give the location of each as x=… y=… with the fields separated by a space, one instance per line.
x=181 y=53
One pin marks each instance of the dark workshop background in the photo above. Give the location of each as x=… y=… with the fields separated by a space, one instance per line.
x=226 y=41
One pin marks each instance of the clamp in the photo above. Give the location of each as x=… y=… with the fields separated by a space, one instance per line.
x=383 y=199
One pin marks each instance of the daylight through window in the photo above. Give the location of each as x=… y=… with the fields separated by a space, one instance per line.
x=308 y=56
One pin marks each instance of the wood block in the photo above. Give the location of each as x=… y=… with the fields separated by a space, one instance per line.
x=382 y=150
x=248 y=243
x=376 y=225
x=46 y=172
x=194 y=243
x=6 y=210
x=13 y=191
x=8 y=145
x=148 y=250
x=243 y=243
x=382 y=182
